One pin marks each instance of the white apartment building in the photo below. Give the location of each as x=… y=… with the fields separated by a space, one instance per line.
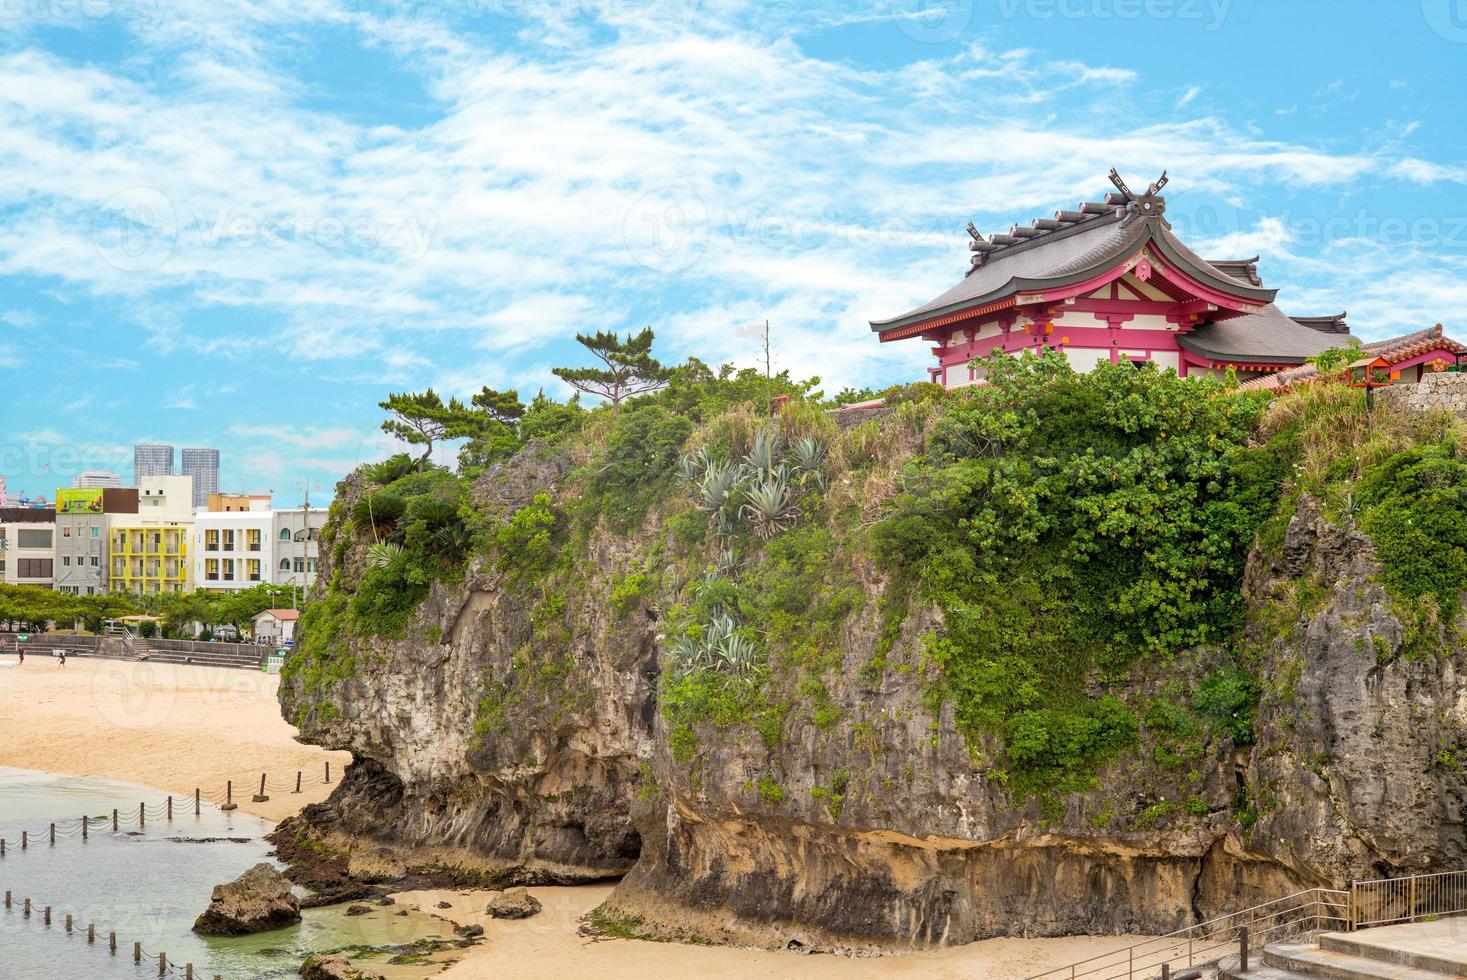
x=27 y=546
x=297 y=532
x=232 y=549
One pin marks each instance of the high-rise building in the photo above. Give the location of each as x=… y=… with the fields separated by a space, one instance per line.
x=203 y=466
x=151 y=461
x=89 y=479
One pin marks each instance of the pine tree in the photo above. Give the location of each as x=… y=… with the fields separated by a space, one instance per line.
x=630 y=368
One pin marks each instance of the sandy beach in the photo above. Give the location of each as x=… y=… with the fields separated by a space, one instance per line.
x=177 y=727
x=548 y=945
x=168 y=726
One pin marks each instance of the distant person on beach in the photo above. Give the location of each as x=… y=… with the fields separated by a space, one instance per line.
x=61 y=658
x=20 y=650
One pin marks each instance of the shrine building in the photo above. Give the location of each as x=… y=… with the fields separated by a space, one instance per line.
x=1109 y=281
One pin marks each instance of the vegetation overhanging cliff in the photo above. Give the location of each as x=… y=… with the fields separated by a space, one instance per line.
x=1060 y=653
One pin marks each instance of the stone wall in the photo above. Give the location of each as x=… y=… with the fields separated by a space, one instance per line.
x=1434 y=391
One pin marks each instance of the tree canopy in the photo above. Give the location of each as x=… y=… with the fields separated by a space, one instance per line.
x=630 y=369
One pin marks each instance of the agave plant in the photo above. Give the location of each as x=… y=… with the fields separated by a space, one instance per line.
x=691 y=466
x=727 y=563
x=719 y=481
x=686 y=655
x=808 y=454
x=385 y=554
x=763 y=452
x=809 y=459
x=770 y=506
x=737 y=654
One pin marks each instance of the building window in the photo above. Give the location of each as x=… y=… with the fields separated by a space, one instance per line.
x=300 y=564
x=229 y=569
x=66 y=531
x=96 y=531
x=229 y=540
x=211 y=569
x=30 y=537
x=285 y=534
x=94 y=561
x=252 y=569
x=285 y=564
x=211 y=540
x=252 y=539
x=66 y=561
x=33 y=568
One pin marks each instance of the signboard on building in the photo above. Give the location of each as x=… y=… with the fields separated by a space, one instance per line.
x=79 y=500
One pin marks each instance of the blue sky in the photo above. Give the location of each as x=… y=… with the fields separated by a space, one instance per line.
x=241 y=224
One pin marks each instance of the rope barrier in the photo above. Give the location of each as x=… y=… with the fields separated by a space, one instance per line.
x=139 y=954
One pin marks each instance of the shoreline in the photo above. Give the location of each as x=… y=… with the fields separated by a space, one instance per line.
x=170 y=727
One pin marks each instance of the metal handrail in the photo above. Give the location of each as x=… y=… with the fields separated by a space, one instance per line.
x=1202 y=942
x=1423 y=896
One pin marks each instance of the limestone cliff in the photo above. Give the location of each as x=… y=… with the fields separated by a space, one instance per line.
x=506 y=737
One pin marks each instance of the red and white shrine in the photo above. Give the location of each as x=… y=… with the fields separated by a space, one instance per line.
x=1110 y=282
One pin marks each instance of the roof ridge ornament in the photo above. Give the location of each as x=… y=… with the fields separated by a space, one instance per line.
x=1148 y=205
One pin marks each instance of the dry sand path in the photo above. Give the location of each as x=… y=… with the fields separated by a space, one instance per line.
x=175 y=727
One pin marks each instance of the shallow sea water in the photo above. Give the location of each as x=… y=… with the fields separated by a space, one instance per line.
x=149 y=886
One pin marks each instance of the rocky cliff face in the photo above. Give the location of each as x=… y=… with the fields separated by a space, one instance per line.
x=492 y=748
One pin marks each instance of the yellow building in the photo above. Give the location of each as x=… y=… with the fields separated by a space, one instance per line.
x=149 y=559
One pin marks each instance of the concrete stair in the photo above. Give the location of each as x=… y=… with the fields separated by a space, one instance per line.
x=1420 y=951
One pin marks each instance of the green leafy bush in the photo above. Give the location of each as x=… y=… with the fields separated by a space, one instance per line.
x=1228 y=697
x=1068 y=524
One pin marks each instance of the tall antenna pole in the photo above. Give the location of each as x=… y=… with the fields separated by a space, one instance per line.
x=768 y=375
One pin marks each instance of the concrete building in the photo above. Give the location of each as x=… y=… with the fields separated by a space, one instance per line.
x=220 y=503
x=296 y=534
x=151 y=461
x=150 y=553
x=27 y=543
x=97 y=478
x=203 y=466
x=84 y=519
x=232 y=549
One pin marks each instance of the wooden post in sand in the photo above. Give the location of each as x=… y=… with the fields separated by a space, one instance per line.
x=114 y=819
x=142 y=815
x=328 y=770
x=229 y=803
x=53 y=835
x=26 y=909
x=91 y=932
x=196 y=801
x=46 y=915
x=261 y=797
x=170 y=809
x=297 y=780
x=137 y=952
x=84 y=828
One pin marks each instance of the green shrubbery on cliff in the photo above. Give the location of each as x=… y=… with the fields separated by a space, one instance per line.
x=1075 y=531
x=1068 y=524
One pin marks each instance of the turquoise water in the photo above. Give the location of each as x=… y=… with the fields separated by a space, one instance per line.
x=149 y=887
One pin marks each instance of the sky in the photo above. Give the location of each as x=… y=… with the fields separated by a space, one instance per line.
x=243 y=224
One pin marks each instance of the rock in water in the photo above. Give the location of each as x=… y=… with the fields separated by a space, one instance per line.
x=517 y=903
x=256 y=901
x=333 y=968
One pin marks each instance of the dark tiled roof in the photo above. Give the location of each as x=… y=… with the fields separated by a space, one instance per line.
x=27 y=515
x=1243 y=270
x=1393 y=349
x=1267 y=336
x=1070 y=248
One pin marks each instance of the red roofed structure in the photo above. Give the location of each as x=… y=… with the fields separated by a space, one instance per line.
x=1110 y=282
